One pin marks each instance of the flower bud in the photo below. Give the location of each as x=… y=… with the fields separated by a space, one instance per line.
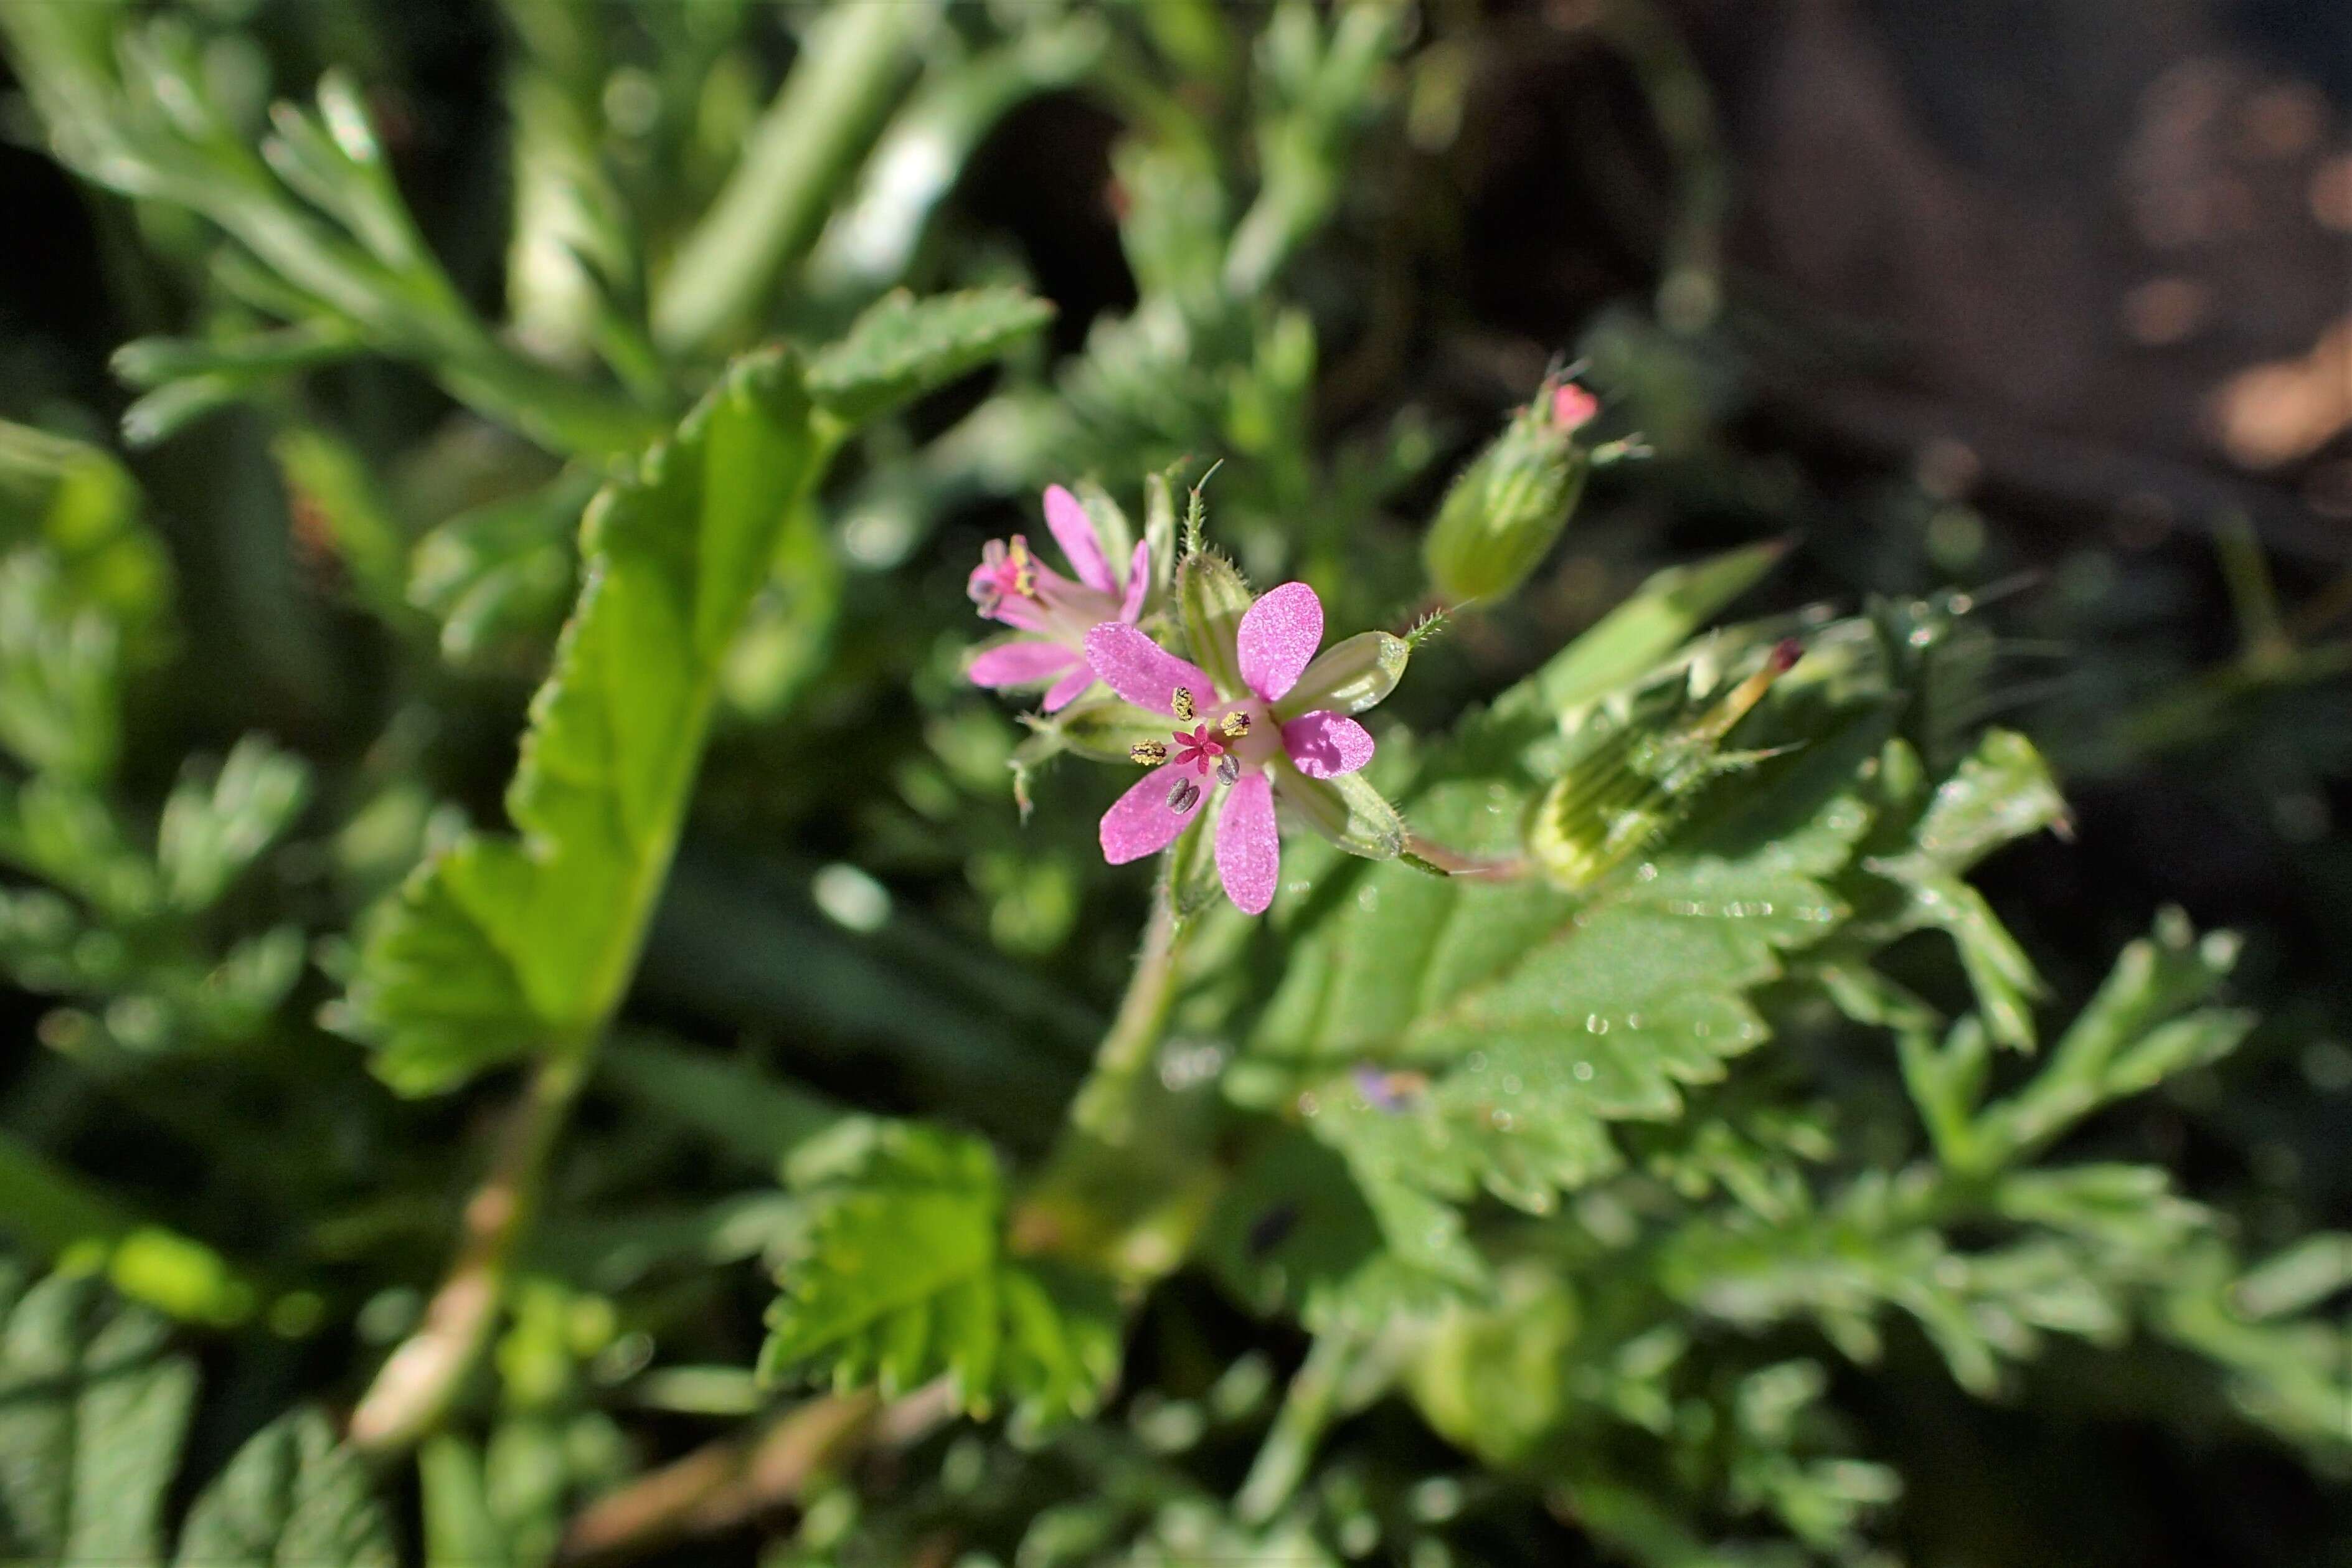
x=1512 y=500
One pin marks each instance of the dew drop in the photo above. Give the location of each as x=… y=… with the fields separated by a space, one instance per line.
x=1584 y=1072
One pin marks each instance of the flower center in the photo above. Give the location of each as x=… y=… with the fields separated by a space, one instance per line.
x=1205 y=748
x=1006 y=571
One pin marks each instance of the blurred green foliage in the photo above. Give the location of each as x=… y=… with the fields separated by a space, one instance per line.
x=502 y=863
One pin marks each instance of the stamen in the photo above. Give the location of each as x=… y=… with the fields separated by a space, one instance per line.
x=1185 y=796
x=1236 y=725
x=1024 y=568
x=1229 y=768
x=1182 y=701
x=1150 y=753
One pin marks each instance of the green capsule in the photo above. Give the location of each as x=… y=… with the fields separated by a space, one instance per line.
x=1625 y=794
x=1508 y=506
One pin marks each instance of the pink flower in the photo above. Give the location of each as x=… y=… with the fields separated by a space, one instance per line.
x=1263 y=740
x=1051 y=613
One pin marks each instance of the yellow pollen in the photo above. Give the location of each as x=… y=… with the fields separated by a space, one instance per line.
x=1183 y=705
x=1150 y=753
x=1234 y=725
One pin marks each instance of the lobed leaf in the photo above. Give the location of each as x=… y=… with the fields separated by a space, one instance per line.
x=504 y=946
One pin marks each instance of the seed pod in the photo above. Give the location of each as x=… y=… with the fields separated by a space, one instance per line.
x=1623 y=795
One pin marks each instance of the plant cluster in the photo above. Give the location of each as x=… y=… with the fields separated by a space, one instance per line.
x=1285 y=1099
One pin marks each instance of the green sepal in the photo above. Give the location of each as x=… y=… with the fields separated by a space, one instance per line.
x=1210 y=600
x=1345 y=810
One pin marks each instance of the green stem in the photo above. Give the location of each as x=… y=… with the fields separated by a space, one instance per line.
x=1298 y=1426
x=807 y=144
x=420 y=1380
x=1107 y=1103
x=1128 y=1183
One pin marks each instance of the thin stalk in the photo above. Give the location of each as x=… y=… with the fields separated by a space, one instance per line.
x=1106 y=1105
x=1297 y=1431
x=853 y=64
x=1458 y=863
x=1128 y=1183
x=420 y=1380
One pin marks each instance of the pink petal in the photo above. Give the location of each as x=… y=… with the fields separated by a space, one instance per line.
x=1142 y=822
x=1249 y=849
x=1278 y=636
x=1020 y=663
x=1142 y=671
x=1139 y=583
x=1066 y=690
x=1325 y=744
x=1019 y=614
x=1074 y=530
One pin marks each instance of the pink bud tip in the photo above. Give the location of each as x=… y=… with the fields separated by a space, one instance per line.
x=1572 y=407
x=1785 y=655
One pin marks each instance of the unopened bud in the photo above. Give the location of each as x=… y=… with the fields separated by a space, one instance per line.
x=1509 y=505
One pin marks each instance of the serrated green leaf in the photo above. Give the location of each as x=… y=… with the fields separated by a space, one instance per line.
x=503 y=947
x=1454 y=1035
x=290 y=1497
x=903 y=347
x=904 y=1278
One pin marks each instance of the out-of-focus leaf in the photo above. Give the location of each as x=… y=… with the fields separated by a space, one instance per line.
x=754 y=1115
x=290 y=1497
x=78 y=501
x=53 y=1213
x=498 y=573
x=92 y=1412
x=338 y=509
x=212 y=831
x=460 y=1531
x=903 y=347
